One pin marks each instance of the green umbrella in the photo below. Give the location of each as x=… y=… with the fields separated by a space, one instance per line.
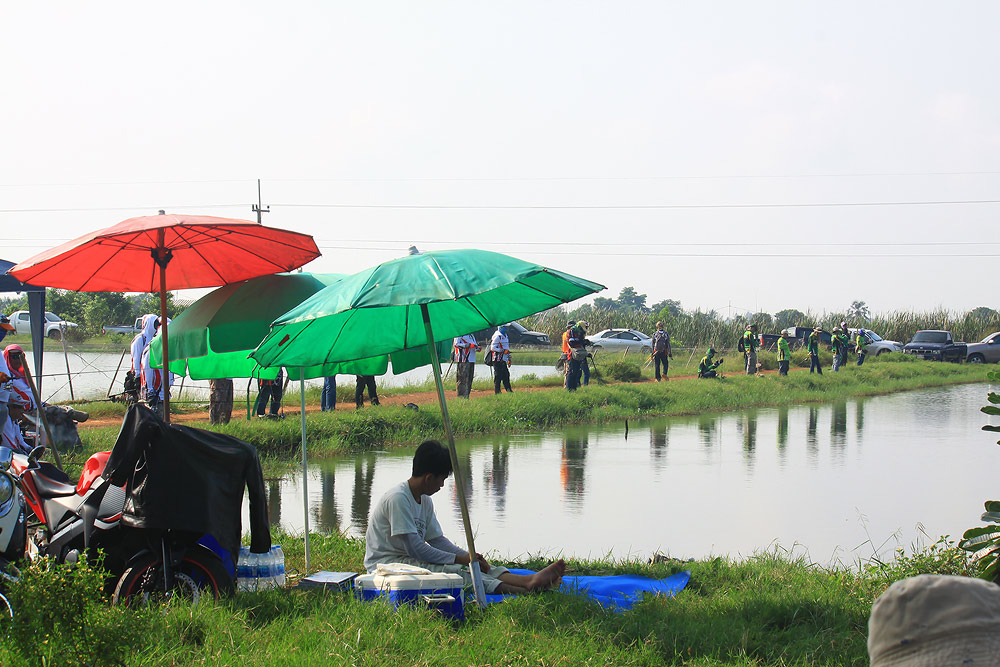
x=393 y=306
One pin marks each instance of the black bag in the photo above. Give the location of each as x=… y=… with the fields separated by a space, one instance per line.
x=488 y=358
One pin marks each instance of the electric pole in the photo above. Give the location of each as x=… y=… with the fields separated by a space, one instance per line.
x=257 y=208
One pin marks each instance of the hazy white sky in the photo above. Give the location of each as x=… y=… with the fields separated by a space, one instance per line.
x=605 y=139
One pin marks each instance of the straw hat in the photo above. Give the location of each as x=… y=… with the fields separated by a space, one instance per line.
x=934 y=619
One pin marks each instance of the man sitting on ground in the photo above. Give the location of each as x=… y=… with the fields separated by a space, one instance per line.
x=403 y=529
x=706 y=369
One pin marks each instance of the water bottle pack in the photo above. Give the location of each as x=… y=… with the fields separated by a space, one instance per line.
x=257 y=572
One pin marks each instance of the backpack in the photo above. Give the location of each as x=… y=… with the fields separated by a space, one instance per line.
x=660 y=340
x=488 y=358
x=741 y=346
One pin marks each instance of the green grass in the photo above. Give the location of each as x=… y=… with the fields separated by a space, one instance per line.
x=768 y=609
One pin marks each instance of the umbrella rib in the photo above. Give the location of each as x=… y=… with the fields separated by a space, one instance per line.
x=268 y=260
x=540 y=291
x=444 y=275
x=481 y=314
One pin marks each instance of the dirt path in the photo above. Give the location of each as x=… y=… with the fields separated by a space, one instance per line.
x=417 y=398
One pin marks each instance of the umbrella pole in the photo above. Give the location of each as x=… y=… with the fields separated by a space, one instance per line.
x=305 y=481
x=161 y=256
x=477 y=576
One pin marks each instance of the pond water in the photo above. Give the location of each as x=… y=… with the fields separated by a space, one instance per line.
x=93 y=374
x=836 y=482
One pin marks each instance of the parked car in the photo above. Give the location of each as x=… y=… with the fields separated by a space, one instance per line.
x=876 y=344
x=516 y=334
x=936 y=345
x=614 y=340
x=21 y=319
x=986 y=351
x=125 y=328
x=797 y=336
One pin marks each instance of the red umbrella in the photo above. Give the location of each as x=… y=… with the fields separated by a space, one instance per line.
x=133 y=256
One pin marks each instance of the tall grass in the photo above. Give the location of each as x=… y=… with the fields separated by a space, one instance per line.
x=699 y=328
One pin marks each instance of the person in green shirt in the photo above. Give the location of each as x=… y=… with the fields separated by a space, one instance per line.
x=860 y=343
x=749 y=344
x=812 y=345
x=706 y=369
x=784 y=354
x=838 y=344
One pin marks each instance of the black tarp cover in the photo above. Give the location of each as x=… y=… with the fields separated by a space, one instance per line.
x=184 y=478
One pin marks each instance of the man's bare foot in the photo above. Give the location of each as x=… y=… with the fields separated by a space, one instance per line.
x=548 y=576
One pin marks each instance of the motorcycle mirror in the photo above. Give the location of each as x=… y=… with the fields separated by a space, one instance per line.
x=35 y=454
x=6 y=458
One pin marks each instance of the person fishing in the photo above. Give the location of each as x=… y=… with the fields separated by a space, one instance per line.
x=838 y=344
x=860 y=343
x=706 y=369
x=564 y=357
x=500 y=351
x=812 y=346
x=584 y=325
x=464 y=356
x=748 y=345
x=784 y=353
x=577 y=357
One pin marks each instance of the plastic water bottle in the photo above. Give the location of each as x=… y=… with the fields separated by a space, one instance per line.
x=279 y=565
x=253 y=571
x=243 y=572
x=264 y=577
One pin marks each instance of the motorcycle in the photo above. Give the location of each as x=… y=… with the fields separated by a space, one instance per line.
x=70 y=520
x=13 y=527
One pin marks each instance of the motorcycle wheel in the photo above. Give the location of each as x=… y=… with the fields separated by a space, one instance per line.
x=197 y=574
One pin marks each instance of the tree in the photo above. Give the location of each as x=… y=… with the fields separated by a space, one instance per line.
x=982 y=313
x=672 y=307
x=859 y=311
x=789 y=318
x=628 y=299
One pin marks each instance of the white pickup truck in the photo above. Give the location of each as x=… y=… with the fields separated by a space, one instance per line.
x=124 y=328
x=986 y=351
x=21 y=319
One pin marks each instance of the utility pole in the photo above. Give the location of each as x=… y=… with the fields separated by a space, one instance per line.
x=257 y=208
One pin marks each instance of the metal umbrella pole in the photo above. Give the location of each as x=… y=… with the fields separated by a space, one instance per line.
x=305 y=471
x=477 y=575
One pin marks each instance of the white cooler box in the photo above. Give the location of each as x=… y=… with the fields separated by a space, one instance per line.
x=413 y=585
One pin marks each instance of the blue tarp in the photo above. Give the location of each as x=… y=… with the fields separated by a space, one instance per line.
x=617 y=593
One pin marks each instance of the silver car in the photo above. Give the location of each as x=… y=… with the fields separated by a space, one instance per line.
x=621 y=339
x=986 y=351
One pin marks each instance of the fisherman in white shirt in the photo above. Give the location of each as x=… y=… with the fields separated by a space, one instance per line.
x=500 y=351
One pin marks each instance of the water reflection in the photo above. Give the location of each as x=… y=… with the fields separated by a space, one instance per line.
x=534 y=492
x=465 y=470
x=361 y=499
x=573 y=469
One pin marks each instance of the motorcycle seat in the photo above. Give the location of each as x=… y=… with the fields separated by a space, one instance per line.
x=51 y=488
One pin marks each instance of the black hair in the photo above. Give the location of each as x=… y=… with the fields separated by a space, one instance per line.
x=431 y=457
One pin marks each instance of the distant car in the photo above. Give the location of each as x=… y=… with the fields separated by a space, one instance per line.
x=986 y=351
x=135 y=328
x=935 y=345
x=876 y=344
x=516 y=334
x=21 y=319
x=614 y=340
x=798 y=336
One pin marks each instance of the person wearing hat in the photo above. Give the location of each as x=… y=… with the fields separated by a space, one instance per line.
x=706 y=369
x=584 y=325
x=11 y=432
x=784 y=353
x=838 y=344
x=812 y=346
x=935 y=619
x=661 y=351
x=6 y=375
x=564 y=359
x=860 y=343
x=5 y=326
x=500 y=348
x=464 y=356
x=576 y=343
x=749 y=344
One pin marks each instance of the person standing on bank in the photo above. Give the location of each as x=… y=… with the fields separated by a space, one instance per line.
x=661 y=351
x=220 y=400
x=500 y=349
x=584 y=325
x=838 y=344
x=784 y=353
x=812 y=346
x=362 y=381
x=328 y=399
x=577 y=343
x=464 y=357
x=748 y=344
x=860 y=343
x=565 y=352
x=270 y=390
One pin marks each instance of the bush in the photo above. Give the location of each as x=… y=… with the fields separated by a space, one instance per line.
x=623 y=371
x=61 y=618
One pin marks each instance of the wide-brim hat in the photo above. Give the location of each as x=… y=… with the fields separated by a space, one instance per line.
x=934 y=619
x=818 y=329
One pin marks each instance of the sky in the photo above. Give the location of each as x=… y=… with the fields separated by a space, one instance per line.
x=730 y=155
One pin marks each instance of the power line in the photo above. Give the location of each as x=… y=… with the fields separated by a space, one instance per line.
x=636 y=206
x=116 y=208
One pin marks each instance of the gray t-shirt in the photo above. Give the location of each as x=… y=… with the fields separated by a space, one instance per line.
x=396 y=515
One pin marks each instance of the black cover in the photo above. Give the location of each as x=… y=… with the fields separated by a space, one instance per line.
x=183 y=478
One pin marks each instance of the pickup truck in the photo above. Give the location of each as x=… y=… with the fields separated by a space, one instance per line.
x=124 y=328
x=797 y=336
x=986 y=351
x=936 y=345
x=21 y=319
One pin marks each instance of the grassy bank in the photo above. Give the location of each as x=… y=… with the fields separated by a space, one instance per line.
x=769 y=609
x=351 y=430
